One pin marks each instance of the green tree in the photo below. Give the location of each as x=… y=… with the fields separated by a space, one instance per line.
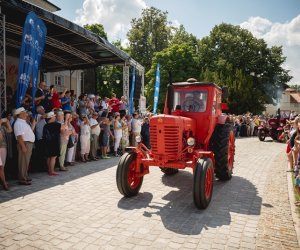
x=232 y=56
x=178 y=62
x=96 y=28
x=180 y=36
x=149 y=34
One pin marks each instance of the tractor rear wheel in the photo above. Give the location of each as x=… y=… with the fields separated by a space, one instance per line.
x=261 y=135
x=203 y=183
x=128 y=182
x=169 y=171
x=222 y=144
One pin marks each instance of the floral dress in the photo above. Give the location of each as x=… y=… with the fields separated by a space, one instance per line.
x=125 y=134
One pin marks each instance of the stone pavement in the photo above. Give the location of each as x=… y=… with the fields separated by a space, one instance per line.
x=82 y=208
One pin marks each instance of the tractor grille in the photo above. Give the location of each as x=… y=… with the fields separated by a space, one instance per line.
x=165 y=140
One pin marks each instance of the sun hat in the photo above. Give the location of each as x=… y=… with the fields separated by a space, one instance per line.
x=19 y=110
x=50 y=115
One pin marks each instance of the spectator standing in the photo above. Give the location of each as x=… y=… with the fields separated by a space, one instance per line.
x=4 y=128
x=82 y=105
x=71 y=142
x=51 y=136
x=85 y=135
x=25 y=138
x=73 y=104
x=117 y=132
x=106 y=133
x=55 y=97
x=39 y=152
x=76 y=126
x=64 y=138
x=123 y=106
x=104 y=104
x=145 y=132
x=66 y=101
x=95 y=132
x=40 y=94
x=136 y=127
x=114 y=103
x=125 y=134
x=129 y=123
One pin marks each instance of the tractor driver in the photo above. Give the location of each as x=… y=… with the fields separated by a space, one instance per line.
x=193 y=103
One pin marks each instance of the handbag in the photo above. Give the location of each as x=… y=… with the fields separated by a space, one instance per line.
x=70 y=142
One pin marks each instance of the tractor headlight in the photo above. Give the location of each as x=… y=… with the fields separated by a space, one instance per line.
x=191 y=141
x=138 y=139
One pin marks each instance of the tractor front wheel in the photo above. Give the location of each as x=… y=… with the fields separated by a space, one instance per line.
x=128 y=182
x=169 y=171
x=203 y=183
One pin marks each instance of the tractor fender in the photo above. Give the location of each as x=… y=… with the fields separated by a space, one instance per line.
x=222 y=119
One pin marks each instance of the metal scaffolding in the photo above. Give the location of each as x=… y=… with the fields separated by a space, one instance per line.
x=3 y=101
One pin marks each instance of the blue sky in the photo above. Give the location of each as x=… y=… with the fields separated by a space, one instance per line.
x=276 y=21
x=200 y=16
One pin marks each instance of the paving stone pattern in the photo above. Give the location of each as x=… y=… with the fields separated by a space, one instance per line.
x=82 y=208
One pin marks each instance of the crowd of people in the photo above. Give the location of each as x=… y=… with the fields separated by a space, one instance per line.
x=293 y=150
x=61 y=129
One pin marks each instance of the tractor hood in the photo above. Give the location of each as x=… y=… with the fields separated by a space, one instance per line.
x=182 y=122
x=169 y=134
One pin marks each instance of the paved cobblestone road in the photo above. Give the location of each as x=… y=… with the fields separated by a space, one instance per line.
x=82 y=208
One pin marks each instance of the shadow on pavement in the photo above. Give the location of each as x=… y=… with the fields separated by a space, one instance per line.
x=179 y=214
x=41 y=180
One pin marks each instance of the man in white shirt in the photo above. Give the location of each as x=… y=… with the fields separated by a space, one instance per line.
x=25 y=139
x=136 y=127
x=95 y=132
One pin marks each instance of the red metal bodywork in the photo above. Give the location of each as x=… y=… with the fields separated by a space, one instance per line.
x=170 y=131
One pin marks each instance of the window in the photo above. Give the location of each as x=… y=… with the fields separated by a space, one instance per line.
x=189 y=100
x=59 y=80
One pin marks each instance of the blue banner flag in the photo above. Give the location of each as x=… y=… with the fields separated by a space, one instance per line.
x=40 y=41
x=156 y=89
x=131 y=104
x=27 y=56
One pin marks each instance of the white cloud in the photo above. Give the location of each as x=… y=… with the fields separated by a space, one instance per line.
x=286 y=35
x=114 y=15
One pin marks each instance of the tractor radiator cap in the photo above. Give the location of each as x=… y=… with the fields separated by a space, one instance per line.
x=192 y=80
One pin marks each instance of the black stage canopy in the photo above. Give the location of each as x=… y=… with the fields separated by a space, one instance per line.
x=68 y=46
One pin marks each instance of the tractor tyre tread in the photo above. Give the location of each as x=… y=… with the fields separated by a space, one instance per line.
x=219 y=145
x=122 y=175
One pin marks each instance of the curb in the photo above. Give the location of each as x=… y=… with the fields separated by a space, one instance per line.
x=292 y=199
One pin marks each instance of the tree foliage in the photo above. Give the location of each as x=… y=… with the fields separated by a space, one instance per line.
x=177 y=62
x=148 y=34
x=232 y=56
x=96 y=28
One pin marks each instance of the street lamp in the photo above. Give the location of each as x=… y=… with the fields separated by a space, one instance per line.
x=117 y=81
x=104 y=82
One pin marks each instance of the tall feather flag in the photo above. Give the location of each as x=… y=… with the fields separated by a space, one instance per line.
x=131 y=104
x=156 y=90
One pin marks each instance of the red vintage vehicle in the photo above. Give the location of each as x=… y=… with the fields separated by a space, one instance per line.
x=272 y=128
x=191 y=133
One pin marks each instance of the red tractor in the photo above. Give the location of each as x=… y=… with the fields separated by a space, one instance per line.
x=193 y=133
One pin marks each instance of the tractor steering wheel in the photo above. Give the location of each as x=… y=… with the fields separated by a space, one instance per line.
x=191 y=105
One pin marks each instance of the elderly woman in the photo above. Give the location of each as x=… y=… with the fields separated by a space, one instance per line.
x=85 y=135
x=64 y=138
x=4 y=128
x=72 y=140
x=51 y=136
x=117 y=132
